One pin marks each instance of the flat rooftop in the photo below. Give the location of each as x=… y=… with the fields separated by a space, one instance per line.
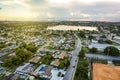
x=67 y=27
x=103 y=57
x=105 y=72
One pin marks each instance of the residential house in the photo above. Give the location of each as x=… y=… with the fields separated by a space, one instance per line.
x=62 y=55
x=57 y=74
x=56 y=62
x=43 y=71
x=35 y=59
x=25 y=71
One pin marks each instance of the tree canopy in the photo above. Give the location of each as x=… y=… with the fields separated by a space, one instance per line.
x=81 y=34
x=91 y=37
x=112 y=51
x=93 y=50
x=22 y=54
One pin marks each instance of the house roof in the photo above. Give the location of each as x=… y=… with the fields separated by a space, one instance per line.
x=35 y=59
x=55 y=73
x=44 y=70
x=62 y=55
x=26 y=68
x=48 y=71
x=56 y=62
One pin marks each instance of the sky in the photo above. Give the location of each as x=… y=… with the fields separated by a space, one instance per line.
x=74 y=10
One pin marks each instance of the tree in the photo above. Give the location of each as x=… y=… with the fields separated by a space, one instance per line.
x=103 y=36
x=19 y=79
x=7 y=63
x=16 y=60
x=112 y=51
x=28 y=54
x=59 y=74
x=19 y=51
x=108 y=41
x=32 y=48
x=61 y=65
x=90 y=37
x=82 y=54
x=82 y=71
x=2 y=45
x=100 y=41
x=67 y=62
x=93 y=50
x=83 y=51
x=23 y=45
x=81 y=34
x=20 y=57
x=23 y=54
x=38 y=77
x=46 y=59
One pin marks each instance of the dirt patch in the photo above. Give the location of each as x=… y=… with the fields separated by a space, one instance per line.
x=105 y=72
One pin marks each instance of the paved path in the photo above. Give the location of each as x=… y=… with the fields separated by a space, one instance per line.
x=73 y=64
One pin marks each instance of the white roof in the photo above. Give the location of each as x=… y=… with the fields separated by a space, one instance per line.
x=55 y=74
x=22 y=67
x=101 y=46
x=26 y=68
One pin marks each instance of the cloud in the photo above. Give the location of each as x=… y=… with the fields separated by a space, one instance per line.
x=71 y=9
x=7 y=2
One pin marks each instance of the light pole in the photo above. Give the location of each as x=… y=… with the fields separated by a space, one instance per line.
x=108 y=53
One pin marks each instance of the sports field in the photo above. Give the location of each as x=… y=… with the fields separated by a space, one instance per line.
x=105 y=72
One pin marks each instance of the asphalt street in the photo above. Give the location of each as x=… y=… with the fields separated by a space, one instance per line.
x=73 y=63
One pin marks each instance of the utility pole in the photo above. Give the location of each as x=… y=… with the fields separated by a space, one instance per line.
x=108 y=52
